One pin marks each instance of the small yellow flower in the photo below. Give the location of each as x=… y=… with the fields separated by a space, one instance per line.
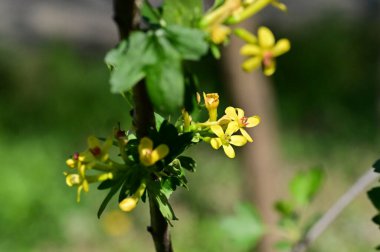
x=99 y=150
x=237 y=115
x=129 y=203
x=213 y=21
x=148 y=155
x=227 y=138
x=82 y=182
x=212 y=103
x=264 y=52
x=219 y=34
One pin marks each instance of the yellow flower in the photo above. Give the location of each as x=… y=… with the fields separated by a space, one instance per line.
x=265 y=51
x=226 y=138
x=129 y=203
x=219 y=34
x=213 y=21
x=212 y=103
x=148 y=155
x=99 y=150
x=237 y=115
x=83 y=181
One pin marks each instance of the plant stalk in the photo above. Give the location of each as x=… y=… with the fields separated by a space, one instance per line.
x=127 y=20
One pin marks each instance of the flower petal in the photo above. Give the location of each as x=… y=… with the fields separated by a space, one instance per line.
x=279 y=5
x=216 y=143
x=246 y=135
x=251 y=64
x=93 y=142
x=145 y=143
x=229 y=151
x=231 y=113
x=232 y=128
x=217 y=129
x=240 y=113
x=281 y=47
x=238 y=140
x=266 y=37
x=252 y=121
x=161 y=151
x=271 y=68
x=250 y=50
x=128 y=204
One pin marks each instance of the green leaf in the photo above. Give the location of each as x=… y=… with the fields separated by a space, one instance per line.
x=189 y=42
x=184 y=12
x=374 y=196
x=305 y=185
x=160 y=194
x=187 y=163
x=245 y=227
x=149 y=12
x=107 y=184
x=165 y=83
x=158 y=119
x=215 y=51
x=109 y=196
x=284 y=208
x=283 y=245
x=376 y=165
x=130 y=60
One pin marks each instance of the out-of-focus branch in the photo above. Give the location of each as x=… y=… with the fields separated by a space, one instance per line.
x=317 y=229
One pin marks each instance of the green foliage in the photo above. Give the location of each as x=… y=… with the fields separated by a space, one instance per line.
x=184 y=13
x=156 y=56
x=305 y=185
x=245 y=227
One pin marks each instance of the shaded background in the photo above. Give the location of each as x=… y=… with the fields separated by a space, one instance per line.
x=54 y=92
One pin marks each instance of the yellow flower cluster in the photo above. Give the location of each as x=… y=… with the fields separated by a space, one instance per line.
x=95 y=157
x=261 y=50
x=225 y=128
x=216 y=22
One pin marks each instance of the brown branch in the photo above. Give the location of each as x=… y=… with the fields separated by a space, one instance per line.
x=126 y=18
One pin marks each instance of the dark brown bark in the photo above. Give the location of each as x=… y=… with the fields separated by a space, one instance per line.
x=126 y=18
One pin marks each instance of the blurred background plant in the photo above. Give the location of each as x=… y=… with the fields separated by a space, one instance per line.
x=52 y=95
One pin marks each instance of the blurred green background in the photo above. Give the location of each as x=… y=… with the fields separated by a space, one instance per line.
x=54 y=93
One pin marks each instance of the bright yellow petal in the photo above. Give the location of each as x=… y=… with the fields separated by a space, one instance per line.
x=232 y=128
x=231 y=113
x=160 y=152
x=281 y=47
x=270 y=69
x=238 y=140
x=240 y=112
x=93 y=142
x=252 y=121
x=229 y=151
x=279 y=5
x=246 y=135
x=216 y=143
x=251 y=64
x=71 y=163
x=266 y=37
x=217 y=129
x=250 y=50
x=128 y=204
x=145 y=143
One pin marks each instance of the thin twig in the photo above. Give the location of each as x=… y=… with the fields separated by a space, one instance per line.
x=317 y=229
